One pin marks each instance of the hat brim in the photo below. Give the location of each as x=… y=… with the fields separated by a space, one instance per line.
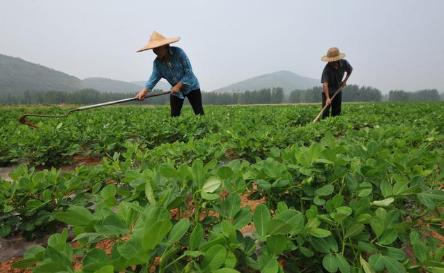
x=155 y=44
x=333 y=59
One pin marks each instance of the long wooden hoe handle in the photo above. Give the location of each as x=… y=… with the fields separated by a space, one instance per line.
x=23 y=119
x=326 y=105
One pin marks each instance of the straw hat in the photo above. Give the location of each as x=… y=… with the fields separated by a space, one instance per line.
x=333 y=54
x=157 y=40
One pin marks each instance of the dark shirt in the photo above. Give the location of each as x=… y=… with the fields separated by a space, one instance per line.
x=334 y=76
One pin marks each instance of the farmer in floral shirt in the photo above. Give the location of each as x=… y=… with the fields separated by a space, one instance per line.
x=173 y=65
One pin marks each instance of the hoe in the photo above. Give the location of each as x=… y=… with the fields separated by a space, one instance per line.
x=23 y=119
x=325 y=107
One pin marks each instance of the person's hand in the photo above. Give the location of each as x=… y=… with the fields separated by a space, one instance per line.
x=175 y=89
x=141 y=95
x=328 y=101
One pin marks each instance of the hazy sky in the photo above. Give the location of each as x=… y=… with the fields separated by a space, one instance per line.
x=392 y=44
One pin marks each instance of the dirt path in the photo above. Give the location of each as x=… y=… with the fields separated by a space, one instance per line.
x=16 y=246
x=5 y=171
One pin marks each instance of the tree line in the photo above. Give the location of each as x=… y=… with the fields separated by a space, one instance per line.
x=420 y=95
x=276 y=95
x=84 y=96
x=351 y=93
x=263 y=96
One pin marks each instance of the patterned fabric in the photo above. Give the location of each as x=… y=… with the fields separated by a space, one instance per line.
x=176 y=69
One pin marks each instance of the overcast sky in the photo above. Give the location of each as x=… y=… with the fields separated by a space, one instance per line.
x=392 y=44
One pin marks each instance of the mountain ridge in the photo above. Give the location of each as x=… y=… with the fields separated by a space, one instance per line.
x=18 y=75
x=285 y=79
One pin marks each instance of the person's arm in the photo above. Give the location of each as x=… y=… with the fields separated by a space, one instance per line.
x=324 y=81
x=326 y=93
x=152 y=81
x=348 y=70
x=344 y=82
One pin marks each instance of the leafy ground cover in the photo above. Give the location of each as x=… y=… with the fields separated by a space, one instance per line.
x=242 y=189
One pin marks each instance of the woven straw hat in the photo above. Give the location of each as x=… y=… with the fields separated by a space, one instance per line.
x=157 y=40
x=333 y=54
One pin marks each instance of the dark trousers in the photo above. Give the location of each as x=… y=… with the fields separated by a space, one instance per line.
x=195 y=99
x=335 y=105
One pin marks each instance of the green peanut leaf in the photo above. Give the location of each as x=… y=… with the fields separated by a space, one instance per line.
x=384 y=203
x=149 y=193
x=76 y=216
x=178 y=231
x=196 y=238
x=343 y=265
x=261 y=219
x=320 y=233
x=365 y=266
x=211 y=185
x=330 y=263
x=325 y=190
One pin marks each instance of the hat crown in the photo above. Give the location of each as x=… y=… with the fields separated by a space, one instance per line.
x=158 y=40
x=333 y=52
x=156 y=36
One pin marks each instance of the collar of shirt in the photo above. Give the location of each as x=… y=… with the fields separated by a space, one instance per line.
x=170 y=52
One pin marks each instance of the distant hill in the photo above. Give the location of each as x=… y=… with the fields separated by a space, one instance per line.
x=17 y=76
x=110 y=85
x=288 y=80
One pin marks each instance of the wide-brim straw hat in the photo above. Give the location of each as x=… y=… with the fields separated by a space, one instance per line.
x=157 y=40
x=333 y=55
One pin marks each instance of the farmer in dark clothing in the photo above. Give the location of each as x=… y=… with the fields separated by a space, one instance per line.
x=333 y=79
x=173 y=65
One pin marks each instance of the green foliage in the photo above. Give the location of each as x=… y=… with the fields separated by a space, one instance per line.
x=344 y=195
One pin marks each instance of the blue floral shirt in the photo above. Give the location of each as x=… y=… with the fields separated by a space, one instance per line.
x=176 y=69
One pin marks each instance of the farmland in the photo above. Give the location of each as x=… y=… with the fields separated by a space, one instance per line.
x=241 y=189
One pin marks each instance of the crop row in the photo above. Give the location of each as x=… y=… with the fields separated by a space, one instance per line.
x=356 y=194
